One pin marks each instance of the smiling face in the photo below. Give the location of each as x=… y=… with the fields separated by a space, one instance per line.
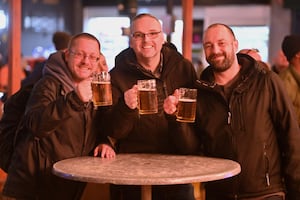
x=82 y=57
x=220 y=47
x=147 y=37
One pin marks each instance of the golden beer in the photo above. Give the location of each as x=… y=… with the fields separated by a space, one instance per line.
x=186 y=110
x=102 y=95
x=147 y=101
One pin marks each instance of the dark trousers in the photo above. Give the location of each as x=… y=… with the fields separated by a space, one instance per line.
x=275 y=197
x=159 y=192
x=272 y=197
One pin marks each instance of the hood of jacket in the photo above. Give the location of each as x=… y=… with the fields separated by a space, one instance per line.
x=56 y=66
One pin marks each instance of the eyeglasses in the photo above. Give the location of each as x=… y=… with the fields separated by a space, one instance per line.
x=80 y=55
x=141 y=36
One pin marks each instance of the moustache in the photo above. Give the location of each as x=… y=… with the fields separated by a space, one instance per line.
x=213 y=56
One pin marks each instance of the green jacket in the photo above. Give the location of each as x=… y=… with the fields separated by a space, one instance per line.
x=291 y=79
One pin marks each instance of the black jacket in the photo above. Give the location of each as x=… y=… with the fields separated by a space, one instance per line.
x=256 y=127
x=150 y=133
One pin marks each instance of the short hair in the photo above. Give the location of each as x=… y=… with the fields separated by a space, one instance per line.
x=139 y=16
x=84 y=35
x=224 y=25
x=61 y=40
x=290 y=46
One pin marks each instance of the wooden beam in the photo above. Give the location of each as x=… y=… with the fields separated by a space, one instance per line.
x=187 y=10
x=187 y=40
x=14 y=46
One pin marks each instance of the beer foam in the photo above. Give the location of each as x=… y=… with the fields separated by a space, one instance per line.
x=145 y=89
x=101 y=82
x=187 y=100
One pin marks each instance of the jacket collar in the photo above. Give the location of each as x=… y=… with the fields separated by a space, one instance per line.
x=249 y=67
x=169 y=59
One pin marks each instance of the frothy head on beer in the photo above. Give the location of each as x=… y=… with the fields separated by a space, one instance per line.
x=147 y=96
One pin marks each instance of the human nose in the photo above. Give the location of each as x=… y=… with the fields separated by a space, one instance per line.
x=215 y=48
x=146 y=37
x=84 y=57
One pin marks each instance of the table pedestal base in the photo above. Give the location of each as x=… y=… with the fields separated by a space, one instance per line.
x=146 y=192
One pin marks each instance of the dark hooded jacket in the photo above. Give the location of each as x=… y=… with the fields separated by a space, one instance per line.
x=255 y=126
x=149 y=133
x=58 y=126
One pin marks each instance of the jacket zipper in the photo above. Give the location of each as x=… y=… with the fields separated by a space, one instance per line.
x=229 y=118
x=267 y=166
x=86 y=106
x=229 y=121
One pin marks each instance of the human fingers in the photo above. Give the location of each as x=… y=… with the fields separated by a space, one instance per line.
x=96 y=151
x=170 y=104
x=130 y=97
x=84 y=90
x=107 y=152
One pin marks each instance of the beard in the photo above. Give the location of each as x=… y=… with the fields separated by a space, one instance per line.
x=220 y=65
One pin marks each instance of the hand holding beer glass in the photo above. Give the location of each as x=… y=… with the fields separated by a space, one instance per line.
x=101 y=88
x=186 y=108
x=147 y=96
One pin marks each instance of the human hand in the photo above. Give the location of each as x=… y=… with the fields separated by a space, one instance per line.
x=170 y=103
x=104 y=151
x=130 y=97
x=84 y=90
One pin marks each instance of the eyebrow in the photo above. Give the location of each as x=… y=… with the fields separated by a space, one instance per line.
x=149 y=31
x=220 y=40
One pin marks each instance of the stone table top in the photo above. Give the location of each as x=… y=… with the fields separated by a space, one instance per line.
x=146 y=169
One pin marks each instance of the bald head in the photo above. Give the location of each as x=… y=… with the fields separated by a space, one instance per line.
x=141 y=16
x=220 y=27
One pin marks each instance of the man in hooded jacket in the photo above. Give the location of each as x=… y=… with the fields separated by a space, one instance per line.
x=57 y=125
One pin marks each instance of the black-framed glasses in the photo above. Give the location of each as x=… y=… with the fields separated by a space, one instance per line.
x=81 y=55
x=141 y=36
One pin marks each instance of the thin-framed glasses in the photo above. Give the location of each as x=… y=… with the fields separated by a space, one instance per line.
x=141 y=36
x=80 y=55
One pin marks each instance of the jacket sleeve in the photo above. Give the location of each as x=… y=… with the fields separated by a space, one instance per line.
x=183 y=136
x=288 y=136
x=49 y=107
x=118 y=120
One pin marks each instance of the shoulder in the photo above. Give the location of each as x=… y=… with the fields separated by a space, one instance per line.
x=207 y=74
x=47 y=83
x=124 y=55
x=285 y=73
x=172 y=56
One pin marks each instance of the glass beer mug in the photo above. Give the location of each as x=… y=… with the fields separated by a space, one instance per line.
x=101 y=88
x=147 y=96
x=186 y=108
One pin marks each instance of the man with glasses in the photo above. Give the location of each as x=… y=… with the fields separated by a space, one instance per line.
x=148 y=57
x=57 y=125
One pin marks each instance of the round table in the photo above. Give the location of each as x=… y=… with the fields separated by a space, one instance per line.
x=146 y=170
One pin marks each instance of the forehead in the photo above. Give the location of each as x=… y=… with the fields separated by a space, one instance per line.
x=217 y=33
x=86 y=44
x=146 y=24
